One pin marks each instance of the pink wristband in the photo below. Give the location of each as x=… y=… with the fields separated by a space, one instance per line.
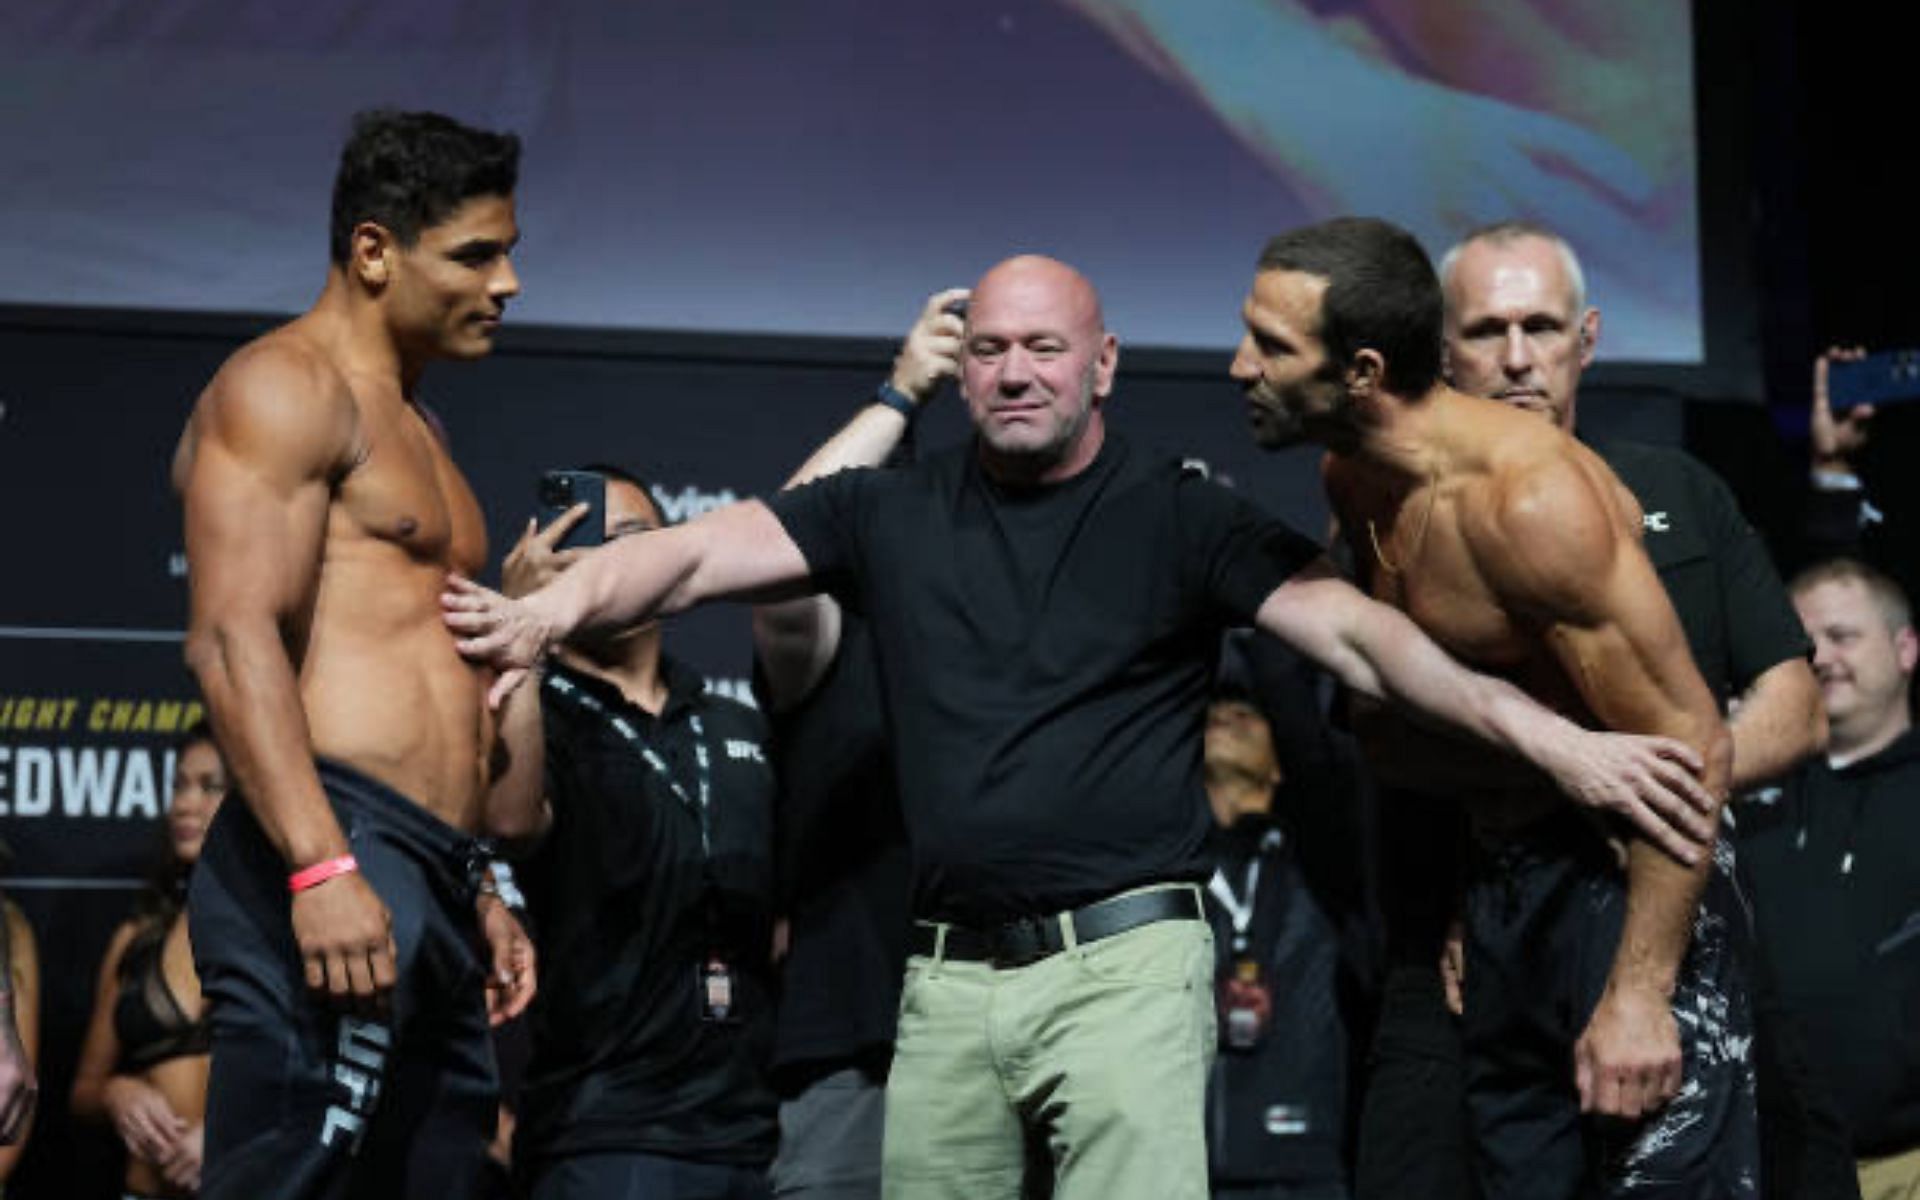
x=320 y=872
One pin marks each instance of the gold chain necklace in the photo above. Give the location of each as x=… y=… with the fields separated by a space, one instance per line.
x=1419 y=538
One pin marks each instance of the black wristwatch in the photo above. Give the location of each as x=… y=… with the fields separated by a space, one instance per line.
x=895 y=399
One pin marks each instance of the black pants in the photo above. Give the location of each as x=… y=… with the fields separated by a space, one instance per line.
x=1806 y=1148
x=304 y=1102
x=1414 y=1143
x=635 y=1176
x=1544 y=912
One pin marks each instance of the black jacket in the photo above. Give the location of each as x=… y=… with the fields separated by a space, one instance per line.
x=1834 y=856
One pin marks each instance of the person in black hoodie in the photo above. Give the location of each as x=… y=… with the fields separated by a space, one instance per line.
x=1836 y=880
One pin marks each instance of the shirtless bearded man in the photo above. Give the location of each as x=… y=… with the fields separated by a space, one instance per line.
x=350 y=1049
x=1517 y=550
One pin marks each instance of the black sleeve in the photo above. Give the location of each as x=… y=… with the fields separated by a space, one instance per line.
x=1871 y=527
x=1234 y=552
x=827 y=520
x=1287 y=685
x=1763 y=630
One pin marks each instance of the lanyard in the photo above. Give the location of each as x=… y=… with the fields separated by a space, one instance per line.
x=703 y=763
x=1240 y=908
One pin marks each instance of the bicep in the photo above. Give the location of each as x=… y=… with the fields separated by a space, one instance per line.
x=253 y=539
x=1623 y=649
x=1559 y=555
x=1320 y=614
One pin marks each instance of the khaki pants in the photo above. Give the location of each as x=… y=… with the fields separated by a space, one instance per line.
x=1895 y=1177
x=1096 y=1058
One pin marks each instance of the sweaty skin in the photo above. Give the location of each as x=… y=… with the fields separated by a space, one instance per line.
x=1516 y=549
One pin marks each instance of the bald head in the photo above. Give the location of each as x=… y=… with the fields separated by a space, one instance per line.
x=1038 y=364
x=1036 y=278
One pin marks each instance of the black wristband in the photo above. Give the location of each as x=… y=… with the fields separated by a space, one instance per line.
x=895 y=399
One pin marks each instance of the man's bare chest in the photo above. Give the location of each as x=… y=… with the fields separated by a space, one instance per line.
x=1416 y=558
x=405 y=492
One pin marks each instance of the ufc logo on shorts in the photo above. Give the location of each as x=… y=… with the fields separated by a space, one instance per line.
x=361 y=1061
x=1655 y=522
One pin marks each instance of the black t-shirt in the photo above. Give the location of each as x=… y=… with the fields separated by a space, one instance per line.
x=1738 y=619
x=628 y=909
x=1045 y=655
x=845 y=875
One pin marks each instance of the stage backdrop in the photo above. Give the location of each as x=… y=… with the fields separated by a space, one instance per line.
x=805 y=168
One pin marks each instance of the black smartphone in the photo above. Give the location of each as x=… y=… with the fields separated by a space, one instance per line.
x=560 y=491
x=1883 y=378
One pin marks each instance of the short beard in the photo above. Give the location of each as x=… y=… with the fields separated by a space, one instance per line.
x=1033 y=462
x=1278 y=430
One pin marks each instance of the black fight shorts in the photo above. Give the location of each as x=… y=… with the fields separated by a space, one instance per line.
x=305 y=1102
x=1544 y=912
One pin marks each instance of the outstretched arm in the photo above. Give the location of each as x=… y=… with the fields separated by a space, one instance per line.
x=795 y=641
x=1376 y=651
x=739 y=552
x=255 y=473
x=1557 y=550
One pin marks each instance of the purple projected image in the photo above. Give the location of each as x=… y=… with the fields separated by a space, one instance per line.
x=1443 y=116
x=817 y=168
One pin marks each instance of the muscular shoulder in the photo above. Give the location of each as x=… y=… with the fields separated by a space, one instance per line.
x=280 y=405
x=1546 y=528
